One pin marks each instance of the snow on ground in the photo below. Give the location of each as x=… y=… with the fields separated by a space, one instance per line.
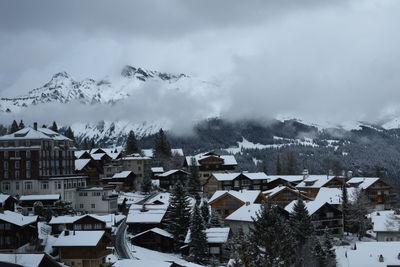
x=367 y=254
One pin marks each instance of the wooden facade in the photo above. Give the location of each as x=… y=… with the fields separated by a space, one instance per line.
x=13 y=236
x=328 y=217
x=311 y=190
x=285 y=196
x=86 y=223
x=169 y=179
x=154 y=241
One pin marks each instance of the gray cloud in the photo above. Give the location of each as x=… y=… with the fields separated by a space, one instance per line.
x=318 y=60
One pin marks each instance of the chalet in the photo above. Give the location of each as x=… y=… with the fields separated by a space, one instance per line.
x=242 y=219
x=122 y=180
x=113 y=153
x=154 y=239
x=82 y=248
x=170 y=178
x=16 y=230
x=217 y=237
x=148 y=214
x=138 y=164
x=378 y=191
x=93 y=169
x=283 y=195
x=334 y=196
x=88 y=222
x=7 y=202
x=226 y=202
x=97 y=199
x=235 y=181
x=27 y=259
x=154 y=171
x=312 y=184
x=82 y=154
x=209 y=163
x=323 y=215
x=385 y=225
x=285 y=180
x=28 y=201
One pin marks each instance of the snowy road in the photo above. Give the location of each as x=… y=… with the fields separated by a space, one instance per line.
x=120 y=242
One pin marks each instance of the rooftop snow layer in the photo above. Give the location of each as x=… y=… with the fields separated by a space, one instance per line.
x=245 y=213
x=79 y=239
x=385 y=221
x=40 y=197
x=243 y=195
x=364 y=182
x=22 y=259
x=215 y=235
x=17 y=218
x=157 y=231
x=232 y=176
x=81 y=163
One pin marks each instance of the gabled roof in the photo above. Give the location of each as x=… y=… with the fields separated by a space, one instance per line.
x=80 y=153
x=168 y=173
x=288 y=178
x=109 y=219
x=149 y=216
x=157 y=231
x=315 y=181
x=228 y=159
x=215 y=235
x=3 y=197
x=78 y=239
x=385 y=221
x=81 y=163
x=362 y=182
x=30 y=133
x=98 y=156
x=23 y=259
x=245 y=213
x=311 y=206
x=40 y=197
x=123 y=174
x=17 y=218
x=272 y=192
x=333 y=195
x=234 y=175
x=242 y=195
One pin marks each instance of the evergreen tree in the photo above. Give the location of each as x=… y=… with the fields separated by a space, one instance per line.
x=278 y=166
x=194 y=184
x=329 y=249
x=69 y=133
x=92 y=143
x=215 y=219
x=242 y=250
x=54 y=127
x=273 y=238
x=21 y=125
x=205 y=212
x=319 y=253
x=146 y=184
x=85 y=144
x=198 y=248
x=291 y=163
x=14 y=127
x=300 y=221
x=131 y=144
x=358 y=210
x=178 y=215
x=162 y=147
x=345 y=207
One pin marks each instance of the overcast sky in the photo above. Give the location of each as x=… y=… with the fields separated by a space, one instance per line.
x=316 y=60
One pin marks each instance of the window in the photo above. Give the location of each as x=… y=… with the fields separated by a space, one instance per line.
x=57 y=185
x=44 y=185
x=96 y=194
x=5 y=165
x=17 y=185
x=214 y=250
x=28 y=153
x=329 y=215
x=28 y=174
x=16 y=174
x=28 y=185
x=97 y=226
x=81 y=206
x=17 y=154
x=78 y=226
x=93 y=206
x=28 y=164
x=87 y=226
x=6 y=186
x=245 y=182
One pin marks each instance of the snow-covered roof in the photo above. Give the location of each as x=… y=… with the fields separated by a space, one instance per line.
x=232 y=176
x=157 y=169
x=109 y=219
x=81 y=163
x=157 y=231
x=30 y=133
x=276 y=190
x=168 y=173
x=17 y=218
x=315 y=181
x=135 y=157
x=243 y=195
x=148 y=216
x=111 y=152
x=79 y=153
x=333 y=195
x=123 y=174
x=385 y=221
x=97 y=156
x=311 y=206
x=79 y=239
x=367 y=254
x=174 y=151
x=40 y=197
x=362 y=182
x=289 y=178
x=215 y=235
x=245 y=213
x=22 y=259
x=3 y=197
x=228 y=159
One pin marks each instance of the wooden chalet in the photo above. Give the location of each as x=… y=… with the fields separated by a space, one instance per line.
x=123 y=181
x=16 y=230
x=168 y=179
x=82 y=248
x=7 y=202
x=311 y=185
x=154 y=239
x=378 y=191
x=226 y=202
x=28 y=201
x=283 y=195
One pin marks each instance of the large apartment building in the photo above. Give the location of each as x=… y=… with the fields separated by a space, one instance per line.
x=38 y=161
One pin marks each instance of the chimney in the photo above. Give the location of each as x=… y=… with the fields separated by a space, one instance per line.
x=66 y=233
x=349 y=174
x=305 y=174
x=35 y=126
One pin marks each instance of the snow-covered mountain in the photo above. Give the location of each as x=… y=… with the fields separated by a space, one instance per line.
x=64 y=89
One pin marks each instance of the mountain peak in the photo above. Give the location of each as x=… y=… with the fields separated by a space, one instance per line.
x=128 y=71
x=62 y=74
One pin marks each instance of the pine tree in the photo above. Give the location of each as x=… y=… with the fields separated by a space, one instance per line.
x=319 y=253
x=194 y=179
x=131 y=144
x=329 y=249
x=198 y=248
x=85 y=144
x=345 y=207
x=273 y=238
x=300 y=221
x=215 y=219
x=14 y=127
x=242 y=250
x=146 y=184
x=21 y=125
x=54 y=127
x=178 y=215
x=69 y=133
x=291 y=163
x=162 y=147
x=358 y=210
x=278 y=166
x=205 y=212
x=92 y=143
